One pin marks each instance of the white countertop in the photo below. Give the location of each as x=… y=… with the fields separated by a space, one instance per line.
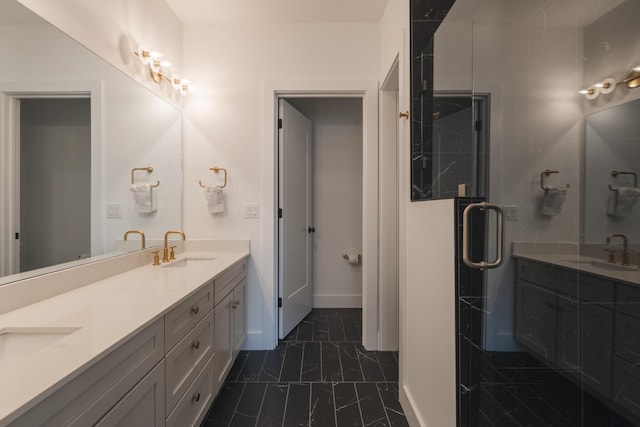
x=568 y=257
x=107 y=313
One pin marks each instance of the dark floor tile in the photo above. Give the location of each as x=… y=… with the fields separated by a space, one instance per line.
x=388 y=364
x=273 y=363
x=238 y=365
x=347 y=408
x=321 y=328
x=272 y=411
x=305 y=329
x=371 y=407
x=370 y=367
x=350 y=362
x=336 y=331
x=389 y=394
x=292 y=336
x=292 y=365
x=322 y=409
x=225 y=404
x=248 y=407
x=252 y=366
x=297 y=410
x=331 y=370
x=352 y=326
x=311 y=362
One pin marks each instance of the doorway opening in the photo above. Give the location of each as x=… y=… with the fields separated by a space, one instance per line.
x=320 y=193
x=49 y=154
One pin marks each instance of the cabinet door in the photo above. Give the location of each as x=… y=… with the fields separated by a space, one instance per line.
x=223 y=345
x=239 y=317
x=142 y=406
x=597 y=347
x=568 y=335
x=536 y=320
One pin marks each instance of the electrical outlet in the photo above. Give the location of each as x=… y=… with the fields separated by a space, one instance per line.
x=510 y=212
x=114 y=210
x=252 y=211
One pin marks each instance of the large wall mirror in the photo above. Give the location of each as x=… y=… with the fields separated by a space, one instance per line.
x=73 y=130
x=612 y=165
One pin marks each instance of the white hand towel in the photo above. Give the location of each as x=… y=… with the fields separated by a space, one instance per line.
x=143 y=197
x=215 y=198
x=621 y=201
x=553 y=200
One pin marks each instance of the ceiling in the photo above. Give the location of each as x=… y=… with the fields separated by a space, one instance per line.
x=253 y=11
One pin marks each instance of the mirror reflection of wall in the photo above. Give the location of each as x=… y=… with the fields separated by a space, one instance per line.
x=130 y=127
x=612 y=143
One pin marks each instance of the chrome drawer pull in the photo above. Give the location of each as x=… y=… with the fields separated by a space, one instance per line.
x=196 y=397
x=195 y=309
x=195 y=344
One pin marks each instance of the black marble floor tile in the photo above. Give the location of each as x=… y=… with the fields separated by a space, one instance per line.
x=347 y=407
x=297 y=410
x=311 y=362
x=349 y=361
x=319 y=375
x=275 y=399
x=322 y=409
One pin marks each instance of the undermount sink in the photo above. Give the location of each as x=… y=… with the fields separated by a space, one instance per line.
x=17 y=342
x=189 y=262
x=604 y=265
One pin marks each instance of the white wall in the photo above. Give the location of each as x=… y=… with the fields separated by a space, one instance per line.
x=114 y=29
x=223 y=125
x=337 y=198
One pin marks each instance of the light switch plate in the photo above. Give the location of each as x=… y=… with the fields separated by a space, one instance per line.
x=252 y=211
x=510 y=212
x=114 y=210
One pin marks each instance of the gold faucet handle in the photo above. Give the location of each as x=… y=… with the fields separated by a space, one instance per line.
x=612 y=255
x=172 y=254
x=156 y=257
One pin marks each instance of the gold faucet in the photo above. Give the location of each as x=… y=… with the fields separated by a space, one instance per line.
x=165 y=253
x=625 y=247
x=136 y=232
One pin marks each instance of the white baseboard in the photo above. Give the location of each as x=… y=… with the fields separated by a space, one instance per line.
x=407 y=407
x=254 y=341
x=337 y=301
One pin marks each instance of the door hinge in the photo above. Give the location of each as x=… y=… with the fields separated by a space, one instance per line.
x=279 y=302
x=279 y=123
x=279 y=212
x=478 y=125
x=17 y=236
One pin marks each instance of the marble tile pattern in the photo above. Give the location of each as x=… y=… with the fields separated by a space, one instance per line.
x=319 y=375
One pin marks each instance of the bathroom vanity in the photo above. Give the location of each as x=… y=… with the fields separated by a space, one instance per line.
x=149 y=345
x=581 y=316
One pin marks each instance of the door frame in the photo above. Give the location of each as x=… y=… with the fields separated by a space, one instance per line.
x=10 y=95
x=367 y=91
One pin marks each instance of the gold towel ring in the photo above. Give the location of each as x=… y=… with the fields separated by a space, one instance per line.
x=216 y=169
x=148 y=169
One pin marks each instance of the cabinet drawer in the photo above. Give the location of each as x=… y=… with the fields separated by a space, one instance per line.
x=628 y=299
x=193 y=406
x=187 y=358
x=186 y=315
x=628 y=338
x=553 y=278
x=142 y=406
x=597 y=290
x=85 y=399
x=228 y=280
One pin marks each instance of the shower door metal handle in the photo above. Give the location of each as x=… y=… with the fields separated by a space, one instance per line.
x=466 y=231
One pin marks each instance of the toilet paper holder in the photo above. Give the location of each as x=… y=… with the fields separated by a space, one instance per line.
x=345 y=256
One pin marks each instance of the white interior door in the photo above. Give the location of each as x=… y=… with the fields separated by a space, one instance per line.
x=294 y=247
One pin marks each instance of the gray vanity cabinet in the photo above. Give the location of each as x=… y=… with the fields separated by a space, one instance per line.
x=566 y=320
x=586 y=326
x=536 y=320
x=597 y=347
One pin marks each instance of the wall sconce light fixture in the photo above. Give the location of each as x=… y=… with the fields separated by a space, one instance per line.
x=157 y=70
x=631 y=80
